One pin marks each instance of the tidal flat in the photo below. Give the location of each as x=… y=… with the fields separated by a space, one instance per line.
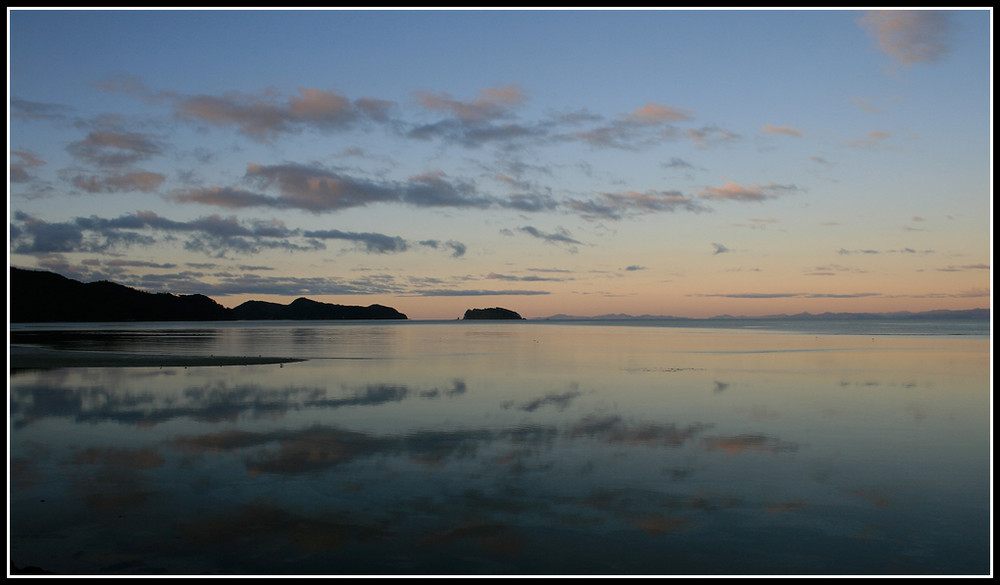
x=514 y=448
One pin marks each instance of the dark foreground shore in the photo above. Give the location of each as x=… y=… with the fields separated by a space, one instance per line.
x=25 y=357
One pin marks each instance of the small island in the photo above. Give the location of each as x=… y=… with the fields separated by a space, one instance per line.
x=494 y=313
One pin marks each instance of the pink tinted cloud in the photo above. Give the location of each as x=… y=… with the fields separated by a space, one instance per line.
x=909 y=36
x=786 y=130
x=654 y=113
x=735 y=192
x=491 y=104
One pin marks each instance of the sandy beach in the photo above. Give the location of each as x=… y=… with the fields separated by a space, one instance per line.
x=24 y=357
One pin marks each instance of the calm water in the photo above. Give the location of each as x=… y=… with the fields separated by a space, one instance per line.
x=507 y=447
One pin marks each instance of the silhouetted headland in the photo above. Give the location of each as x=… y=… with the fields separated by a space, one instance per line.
x=493 y=313
x=46 y=297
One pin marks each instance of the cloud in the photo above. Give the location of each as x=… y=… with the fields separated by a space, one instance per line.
x=910 y=36
x=561 y=236
x=531 y=278
x=530 y=202
x=865 y=105
x=964 y=268
x=786 y=130
x=735 y=192
x=873 y=139
x=114 y=149
x=458 y=249
x=832 y=269
x=492 y=103
x=654 y=113
x=372 y=242
x=710 y=136
x=20 y=162
x=756 y=223
x=28 y=110
x=119 y=263
x=845 y=251
x=44 y=237
x=719 y=249
x=677 y=163
x=433 y=189
x=644 y=126
x=225 y=197
x=313 y=188
x=144 y=181
x=475 y=122
x=265 y=115
x=473 y=293
x=787 y=295
x=617 y=205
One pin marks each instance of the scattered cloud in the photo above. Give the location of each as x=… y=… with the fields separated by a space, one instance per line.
x=319 y=190
x=910 y=36
x=845 y=251
x=865 y=105
x=719 y=249
x=874 y=138
x=736 y=192
x=473 y=293
x=530 y=278
x=620 y=204
x=266 y=114
x=114 y=182
x=780 y=295
x=644 y=126
x=458 y=249
x=708 y=136
x=213 y=235
x=560 y=236
x=964 y=268
x=370 y=242
x=29 y=110
x=785 y=130
x=756 y=223
x=115 y=149
x=20 y=162
x=493 y=103
x=676 y=163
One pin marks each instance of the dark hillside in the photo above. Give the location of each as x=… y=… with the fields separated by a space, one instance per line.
x=45 y=297
x=37 y=296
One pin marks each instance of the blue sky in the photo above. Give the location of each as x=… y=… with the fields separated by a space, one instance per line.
x=676 y=162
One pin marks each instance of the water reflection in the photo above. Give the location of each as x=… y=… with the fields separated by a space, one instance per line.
x=603 y=452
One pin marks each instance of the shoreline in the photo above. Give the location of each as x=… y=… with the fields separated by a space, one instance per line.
x=29 y=357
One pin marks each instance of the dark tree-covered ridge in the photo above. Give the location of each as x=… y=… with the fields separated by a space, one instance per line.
x=46 y=297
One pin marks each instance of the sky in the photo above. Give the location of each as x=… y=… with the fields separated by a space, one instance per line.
x=687 y=163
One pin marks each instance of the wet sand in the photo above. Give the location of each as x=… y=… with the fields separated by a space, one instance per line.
x=26 y=357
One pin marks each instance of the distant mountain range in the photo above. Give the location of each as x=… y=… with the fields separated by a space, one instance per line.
x=46 y=297
x=941 y=314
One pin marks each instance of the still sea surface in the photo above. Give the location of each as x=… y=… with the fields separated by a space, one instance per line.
x=513 y=447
